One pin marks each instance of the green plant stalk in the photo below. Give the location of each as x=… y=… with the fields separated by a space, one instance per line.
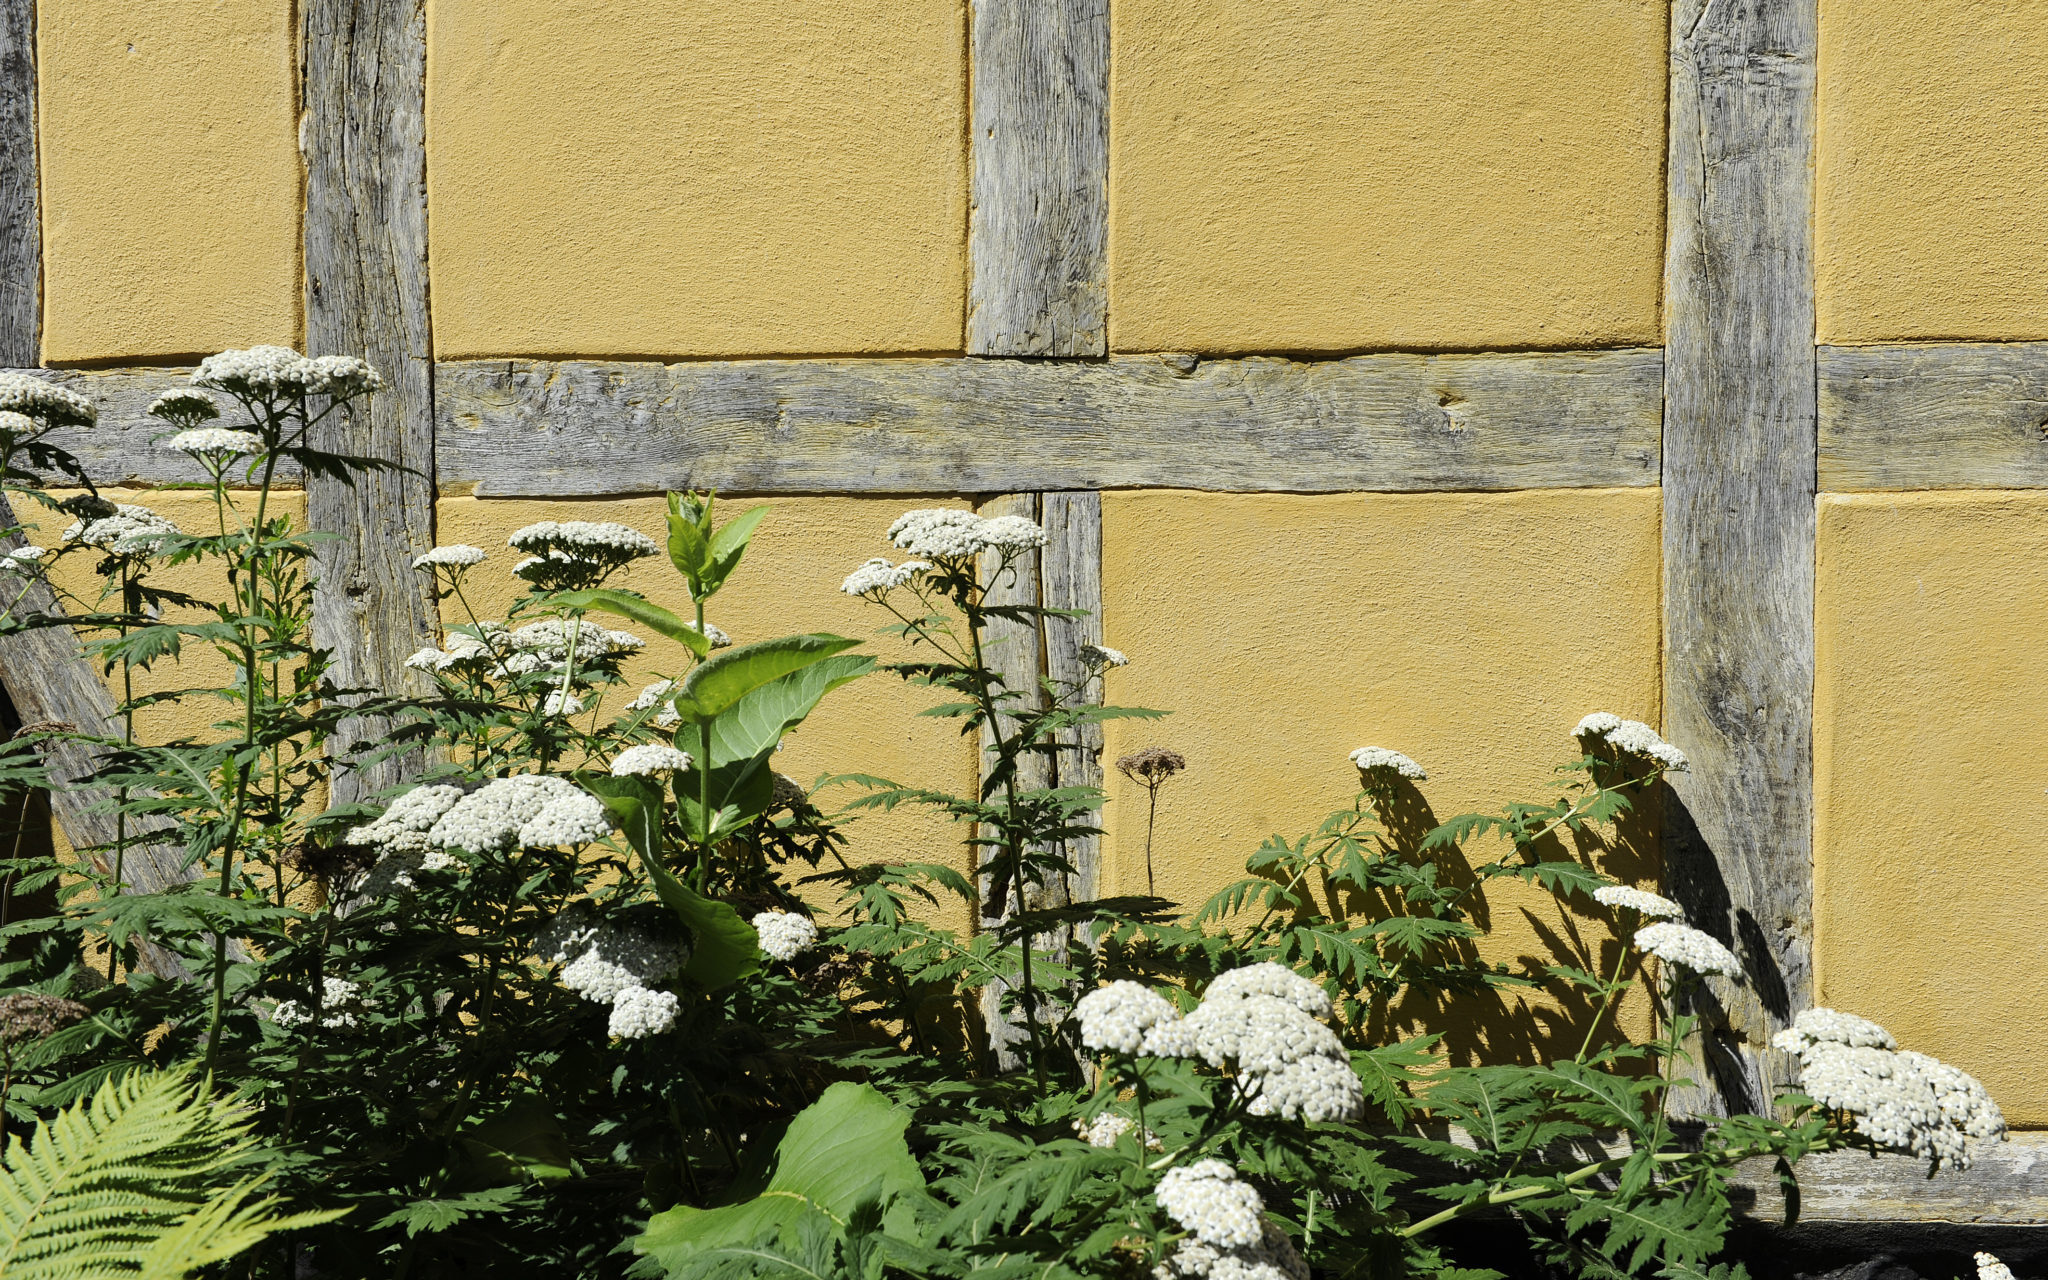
x=703 y=876
x=1574 y=1178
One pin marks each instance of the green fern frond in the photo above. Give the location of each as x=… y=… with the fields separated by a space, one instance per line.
x=152 y=1175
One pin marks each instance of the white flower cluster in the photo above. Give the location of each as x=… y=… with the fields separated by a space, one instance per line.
x=1206 y=1199
x=336 y=997
x=457 y=555
x=21 y=560
x=1095 y=655
x=130 y=531
x=878 y=575
x=1990 y=1268
x=1274 y=1257
x=1900 y=1099
x=712 y=635
x=184 y=406
x=785 y=935
x=1632 y=737
x=550 y=638
x=462 y=647
x=216 y=444
x=1642 y=901
x=404 y=826
x=649 y=759
x=1105 y=1129
x=617 y=965
x=1261 y=1020
x=561 y=702
x=660 y=694
x=279 y=373
x=944 y=532
x=1115 y=1018
x=568 y=543
x=528 y=811
x=1370 y=758
x=1687 y=947
x=46 y=403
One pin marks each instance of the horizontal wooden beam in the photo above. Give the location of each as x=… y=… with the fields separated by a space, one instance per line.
x=1380 y=422
x=1951 y=415
x=123 y=449
x=2007 y=1185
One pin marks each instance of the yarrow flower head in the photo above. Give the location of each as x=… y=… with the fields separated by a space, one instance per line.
x=785 y=935
x=1095 y=655
x=1274 y=1257
x=1314 y=1089
x=1206 y=1199
x=454 y=556
x=949 y=533
x=659 y=696
x=1151 y=766
x=649 y=759
x=45 y=403
x=527 y=811
x=216 y=444
x=1115 y=1018
x=21 y=560
x=1990 y=1268
x=1899 y=1099
x=129 y=530
x=1105 y=1129
x=1688 y=948
x=1829 y=1026
x=640 y=1012
x=712 y=635
x=878 y=576
x=573 y=553
x=1641 y=901
x=560 y=703
x=1389 y=763
x=404 y=826
x=1632 y=737
x=184 y=407
x=617 y=963
x=280 y=373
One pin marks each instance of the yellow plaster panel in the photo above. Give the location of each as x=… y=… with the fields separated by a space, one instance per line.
x=1930 y=858
x=170 y=176
x=789 y=582
x=715 y=178
x=1471 y=631
x=1342 y=174
x=1932 y=152
x=198 y=667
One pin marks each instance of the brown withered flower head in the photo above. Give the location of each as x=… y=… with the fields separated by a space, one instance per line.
x=1151 y=766
x=29 y=1015
x=329 y=861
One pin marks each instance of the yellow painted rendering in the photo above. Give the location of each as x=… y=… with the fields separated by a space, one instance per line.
x=199 y=667
x=1469 y=631
x=714 y=178
x=1929 y=737
x=1932 y=154
x=170 y=177
x=1315 y=175
x=789 y=582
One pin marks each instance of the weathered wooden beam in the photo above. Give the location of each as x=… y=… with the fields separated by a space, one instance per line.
x=21 y=248
x=1738 y=477
x=1952 y=415
x=1383 y=422
x=364 y=140
x=1038 y=226
x=2006 y=1185
x=122 y=448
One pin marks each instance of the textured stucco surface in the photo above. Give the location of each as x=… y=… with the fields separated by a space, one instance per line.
x=199 y=667
x=170 y=176
x=1471 y=631
x=1338 y=174
x=1932 y=152
x=1929 y=737
x=713 y=178
x=789 y=582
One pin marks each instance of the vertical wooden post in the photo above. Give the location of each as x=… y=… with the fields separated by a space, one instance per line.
x=21 y=249
x=1070 y=577
x=1739 y=456
x=1039 y=221
x=364 y=139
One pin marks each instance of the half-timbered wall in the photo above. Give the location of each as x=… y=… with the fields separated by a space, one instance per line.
x=1426 y=374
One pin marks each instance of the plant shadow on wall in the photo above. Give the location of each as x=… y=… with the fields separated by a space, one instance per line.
x=600 y=994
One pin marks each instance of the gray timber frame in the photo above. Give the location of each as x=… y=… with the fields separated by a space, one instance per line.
x=1739 y=417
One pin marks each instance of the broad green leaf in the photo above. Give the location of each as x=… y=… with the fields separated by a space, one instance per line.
x=728 y=545
x=688 y=549
x=646 y=613
x=741 y=790
x=844 y=1150
x=721 y=681
x=522 y=1141
x=759 y=719
x=723 y=948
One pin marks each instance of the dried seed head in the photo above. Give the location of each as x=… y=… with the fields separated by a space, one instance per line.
x=1151 y=766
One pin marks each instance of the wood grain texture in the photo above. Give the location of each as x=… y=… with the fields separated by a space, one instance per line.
x=1954 y=415
x=1382 y=422
x=122 y=449
x=21 y=248
x=1037 y=235
x=366 y=294
x=2006 y=1185
x=1738 y=473
x=1070 y=577
x=1012 y=650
